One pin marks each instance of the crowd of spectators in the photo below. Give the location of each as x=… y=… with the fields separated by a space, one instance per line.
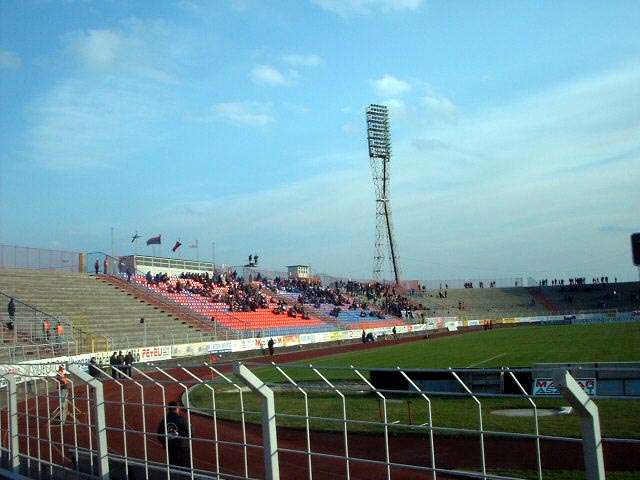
x=228 y=288
x=575 y=282
x=373 y=299
x=481 y=284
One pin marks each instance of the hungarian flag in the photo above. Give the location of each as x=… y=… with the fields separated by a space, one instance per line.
x=154 y=241
x=176 y=246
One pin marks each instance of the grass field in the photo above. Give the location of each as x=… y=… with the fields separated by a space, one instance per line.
x=522 y=346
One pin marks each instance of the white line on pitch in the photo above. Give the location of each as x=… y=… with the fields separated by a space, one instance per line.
x=485 y=361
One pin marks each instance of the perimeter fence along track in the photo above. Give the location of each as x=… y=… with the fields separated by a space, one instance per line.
x=13 y=256
x=331 y=423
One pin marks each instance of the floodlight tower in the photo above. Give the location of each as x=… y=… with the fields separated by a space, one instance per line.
x=379 y=140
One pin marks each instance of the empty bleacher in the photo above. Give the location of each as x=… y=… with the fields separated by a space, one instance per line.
x=605 y=296
x=482 y=302
x=512 y=302
x=97 y=308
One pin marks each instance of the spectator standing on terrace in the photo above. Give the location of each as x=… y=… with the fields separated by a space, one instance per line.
x=59 y=332
x=270 y=345
x=105 y=265
x=11 y=310
x=46 y=329
x=128 y=361
x=96 y=266
x=174 y=436
x=119 y=363
x=113 y=360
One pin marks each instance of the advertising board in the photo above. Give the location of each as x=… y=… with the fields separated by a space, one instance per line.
x=546 y=386
x=150 y=354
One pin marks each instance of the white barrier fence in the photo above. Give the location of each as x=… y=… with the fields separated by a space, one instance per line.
x=295 y=422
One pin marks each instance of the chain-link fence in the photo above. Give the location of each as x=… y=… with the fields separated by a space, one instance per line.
x=13 y=256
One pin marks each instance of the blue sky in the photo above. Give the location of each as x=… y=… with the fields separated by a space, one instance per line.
x=516 y=130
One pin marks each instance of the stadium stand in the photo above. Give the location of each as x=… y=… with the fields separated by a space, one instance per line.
x=215 y=300
x=531 y=301
x=97 y=308
x=602 y=296
x=344 y=318
x=479 y=302
x=23 y=338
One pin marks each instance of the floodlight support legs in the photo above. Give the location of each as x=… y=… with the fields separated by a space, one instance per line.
x=589 y=424
x=269 y=436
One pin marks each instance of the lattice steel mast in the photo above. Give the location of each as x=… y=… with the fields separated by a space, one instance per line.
x=379 y=140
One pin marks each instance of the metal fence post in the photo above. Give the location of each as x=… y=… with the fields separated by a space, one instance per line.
x=589 y=424
x=14 y=450
x=270 y=439
x=102 y=448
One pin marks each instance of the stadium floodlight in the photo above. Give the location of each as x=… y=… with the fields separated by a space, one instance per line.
x=379 y=140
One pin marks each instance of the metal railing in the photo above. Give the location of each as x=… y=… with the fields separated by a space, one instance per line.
x=295 y=421
x=13 y=256
x=24 y=337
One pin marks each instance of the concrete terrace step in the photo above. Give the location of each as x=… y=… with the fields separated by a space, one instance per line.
x=95 y=306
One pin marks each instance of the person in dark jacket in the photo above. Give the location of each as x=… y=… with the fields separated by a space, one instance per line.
x=96 y=266
x=128 y=361
x=270 y=345
x=113 y=361
x=175 y=436
x=94 y=368
x=120 y=363
x=11 y=310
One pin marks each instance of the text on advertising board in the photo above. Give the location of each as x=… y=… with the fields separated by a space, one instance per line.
x=545 y=386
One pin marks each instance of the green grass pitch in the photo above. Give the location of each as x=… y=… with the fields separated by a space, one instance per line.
x=513 y=347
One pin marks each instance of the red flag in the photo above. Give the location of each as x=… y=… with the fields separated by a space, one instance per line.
x=154 y=241
x=176 y=246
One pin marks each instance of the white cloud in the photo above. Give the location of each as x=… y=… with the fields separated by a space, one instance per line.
x=390 y=86
x=244 y=113
x=99 y=48
x=268 y=75
x=93 y=123
x=111 y=105
x=9 y=60
x=397 y=108
x=302 y=60
x=439 y=105
x=562 y=160
x=364 y=7
x=136 y=47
